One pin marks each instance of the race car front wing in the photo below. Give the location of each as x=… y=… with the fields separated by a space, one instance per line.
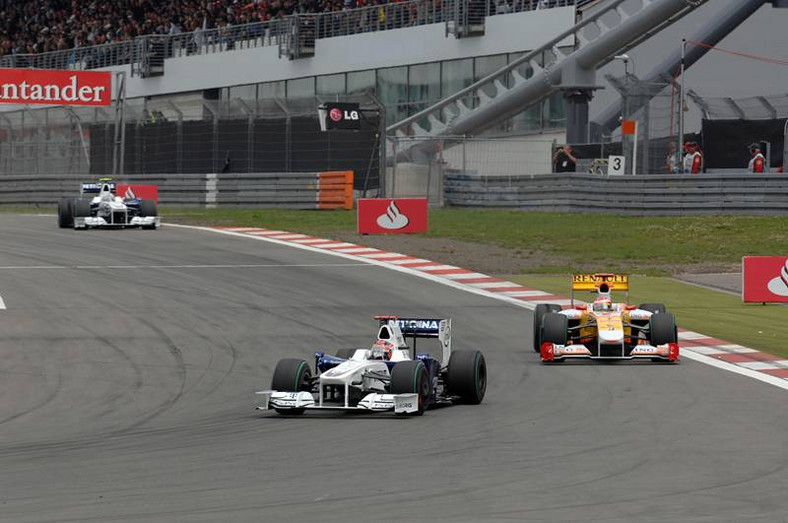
x=372 y=402
x=551 y=352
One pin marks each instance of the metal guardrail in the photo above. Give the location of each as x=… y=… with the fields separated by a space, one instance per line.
x=328 y=190
x=260 y=34
x=744 y=194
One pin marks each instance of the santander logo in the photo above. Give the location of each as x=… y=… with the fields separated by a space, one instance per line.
x=779 y=284
x=393 y=219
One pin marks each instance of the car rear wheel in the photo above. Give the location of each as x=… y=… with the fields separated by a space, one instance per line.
x=291 y=375
x=663 y=329
x=345 y=354
x=81 y=208
x=65 y=213
x=409 y=377
x=148 y=208
x=467 y=376
x=656 y=308
x=539 y=313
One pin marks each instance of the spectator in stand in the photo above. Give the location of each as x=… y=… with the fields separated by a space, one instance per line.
x=757 y=161
x=564 y=161
x=693 y=158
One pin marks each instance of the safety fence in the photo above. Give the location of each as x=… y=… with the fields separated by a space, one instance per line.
x=313 y=190
x=746 y=194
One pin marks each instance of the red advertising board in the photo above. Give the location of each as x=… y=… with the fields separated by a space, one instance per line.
x=143 y=192
x=392 y=216
x=765 y=278
x=44 y=86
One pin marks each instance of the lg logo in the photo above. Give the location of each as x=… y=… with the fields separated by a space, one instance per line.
x=337 y=115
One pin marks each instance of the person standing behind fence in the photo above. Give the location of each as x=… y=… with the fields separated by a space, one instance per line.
x=564 y=161
x=671 y=159
x=757 y=162
x=693 y=158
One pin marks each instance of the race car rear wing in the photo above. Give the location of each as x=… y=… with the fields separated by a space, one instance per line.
x=95 y=188
x=415 y=328
x=600 y=283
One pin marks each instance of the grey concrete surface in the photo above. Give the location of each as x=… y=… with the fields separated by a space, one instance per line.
x=126 y=394
x=723 y=281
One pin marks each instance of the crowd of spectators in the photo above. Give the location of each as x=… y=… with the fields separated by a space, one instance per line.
x=38 y=26
x=51 y=25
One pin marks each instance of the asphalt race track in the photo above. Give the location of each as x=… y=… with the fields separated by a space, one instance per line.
x=129 y=361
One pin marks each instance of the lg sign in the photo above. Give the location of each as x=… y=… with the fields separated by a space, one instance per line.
x=342 y=116
x=37 y=86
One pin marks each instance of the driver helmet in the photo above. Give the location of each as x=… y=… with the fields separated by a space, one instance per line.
x=381 y=350
x=603 y=304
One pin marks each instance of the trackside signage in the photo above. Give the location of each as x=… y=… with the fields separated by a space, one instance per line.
x=765 y=279
x=392 y=216
x=41 y=86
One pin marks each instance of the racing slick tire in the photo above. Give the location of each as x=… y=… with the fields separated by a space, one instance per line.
x=555 y=329
x=467 y=376
x=81 y=208
x=65 y=213
x=345 y=354
x=663 y=329
x=411 y=376
x=656 y=308
x=291 y=375
x=539 y=312
x=148 y=208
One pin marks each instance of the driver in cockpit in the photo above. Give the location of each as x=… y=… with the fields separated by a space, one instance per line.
x=381 y=350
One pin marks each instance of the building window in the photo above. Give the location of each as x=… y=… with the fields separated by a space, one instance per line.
x=331 y=84
x=301 y=88
x=424 y=86
x=393 y=92
x=360 y=81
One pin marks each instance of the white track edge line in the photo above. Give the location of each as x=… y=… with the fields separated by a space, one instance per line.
x=2 y=303
x=687 y=353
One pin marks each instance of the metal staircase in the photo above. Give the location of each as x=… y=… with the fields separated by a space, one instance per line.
x=566 y=63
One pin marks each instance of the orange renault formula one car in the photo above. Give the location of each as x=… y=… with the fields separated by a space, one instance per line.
x=602 y=329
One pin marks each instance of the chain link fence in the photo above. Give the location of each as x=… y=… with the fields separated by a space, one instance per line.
x=189 y=134
x=418 y=166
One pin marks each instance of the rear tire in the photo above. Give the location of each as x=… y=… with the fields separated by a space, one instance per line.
x=65 y=213
x=291 y=375
x=656 y=308
x=539 y=313
x=81 y=208
x=555 y=329
x=467 y=376
x=663 y=329
x=408 y=377
x=345 y=354
x=148 y=208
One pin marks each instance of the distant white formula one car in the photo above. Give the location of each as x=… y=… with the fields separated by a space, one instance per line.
x=106 y=209
x=604 y=330
x=383 y=377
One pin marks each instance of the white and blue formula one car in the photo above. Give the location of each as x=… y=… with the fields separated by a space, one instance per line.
x=106 y=209
x=604 y=330
x=388 y=376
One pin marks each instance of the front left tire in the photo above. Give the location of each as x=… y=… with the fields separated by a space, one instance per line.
x=408 y=377
x=65 y=213
x=291 y=375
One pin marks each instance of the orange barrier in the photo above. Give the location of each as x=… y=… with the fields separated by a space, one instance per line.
x=335 y=190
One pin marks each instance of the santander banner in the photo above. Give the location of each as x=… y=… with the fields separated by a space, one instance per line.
x=43 y=86
x=392 y=216
x=765 y=278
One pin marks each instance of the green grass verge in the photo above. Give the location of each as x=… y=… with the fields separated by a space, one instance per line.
x=647 y=245
x=716 y=314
